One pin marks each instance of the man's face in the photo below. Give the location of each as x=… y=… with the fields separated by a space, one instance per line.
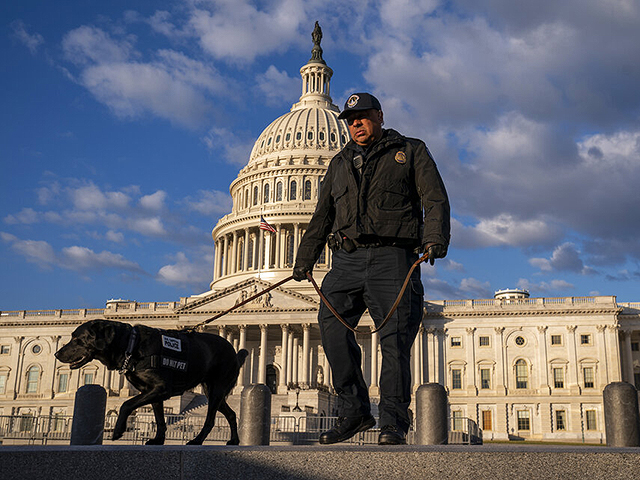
x=365 y=126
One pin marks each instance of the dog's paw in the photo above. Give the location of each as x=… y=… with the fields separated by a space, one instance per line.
x=155 y=441
x=234 y=441
x=117 y=435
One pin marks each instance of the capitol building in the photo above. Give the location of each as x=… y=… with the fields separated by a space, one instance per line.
x=521 y=367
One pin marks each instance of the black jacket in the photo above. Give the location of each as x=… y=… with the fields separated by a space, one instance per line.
x=398 y=179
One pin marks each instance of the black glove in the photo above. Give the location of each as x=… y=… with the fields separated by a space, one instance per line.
x=300 y=272
x=435 y=250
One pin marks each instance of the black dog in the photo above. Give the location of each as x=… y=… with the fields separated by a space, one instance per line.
x=160 y=364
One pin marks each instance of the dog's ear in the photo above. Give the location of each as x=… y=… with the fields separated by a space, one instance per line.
x=104 y=336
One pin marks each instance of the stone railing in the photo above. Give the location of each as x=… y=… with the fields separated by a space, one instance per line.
x=129 y=307
x=517 y=302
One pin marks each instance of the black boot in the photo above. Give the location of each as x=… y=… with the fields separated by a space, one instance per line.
x=391 y=435
x=347 y=427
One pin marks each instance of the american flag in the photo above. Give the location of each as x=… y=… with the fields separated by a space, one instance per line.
x=265 y=226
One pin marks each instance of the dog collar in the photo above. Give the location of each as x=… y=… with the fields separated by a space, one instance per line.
x=133 y=340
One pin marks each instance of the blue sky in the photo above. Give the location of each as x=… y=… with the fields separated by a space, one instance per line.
x=123 y=124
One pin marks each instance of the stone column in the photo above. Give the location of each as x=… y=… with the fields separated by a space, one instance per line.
x=472 y=387
x=295 y=360
x=282 y=384
x=242 y=344
x=499 y=352
x=290 y=357
x=234 y=257
x=260 y=261
x=225 y=253
x=306 y=347
x=574 y=373
x=416 y=364
x=262 y=361
x=374 y=389
x=431 y=349
x=544 y=363
x=628 y=357
x=614 y=353
x=216 y=261
x=421 y=353
x=222 y=331
x=602 y=355
x=245 y=264
x=296 y=236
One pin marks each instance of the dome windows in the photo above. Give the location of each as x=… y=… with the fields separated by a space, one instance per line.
x=321 y=136
x=287 y=137
x=278 y=139
x=279 y=192
x=293 y=190
x=266 y=193
x=333 y=137
x=310 y=135
x=299 y=136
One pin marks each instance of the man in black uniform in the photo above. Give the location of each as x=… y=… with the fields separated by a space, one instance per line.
x=382 y=200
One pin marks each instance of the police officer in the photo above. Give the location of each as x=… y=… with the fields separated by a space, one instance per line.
x=382 y=200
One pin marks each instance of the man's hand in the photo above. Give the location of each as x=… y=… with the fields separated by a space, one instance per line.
x=435 y=250
x=300 y=272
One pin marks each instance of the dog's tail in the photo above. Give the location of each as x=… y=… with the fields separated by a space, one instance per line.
x=241 y=356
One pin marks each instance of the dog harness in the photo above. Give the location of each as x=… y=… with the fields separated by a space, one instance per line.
x=133 y=343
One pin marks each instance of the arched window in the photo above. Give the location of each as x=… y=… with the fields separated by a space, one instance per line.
x=250 y=254
x=279 y=192
x=307 y=190
x=266 y=193
x=323 y=257
x=293 y=190
x=522 y=374
x=246 y=198
x=255 y=195
x=240 y=254
x=33 y=379
x=290 y=252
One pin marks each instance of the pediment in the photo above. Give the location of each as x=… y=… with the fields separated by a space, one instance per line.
x=278 y=299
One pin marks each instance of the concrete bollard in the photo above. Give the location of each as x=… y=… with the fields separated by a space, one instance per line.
x=88 y=415
x=432 y=421
x=255 y=415
x=621 y=417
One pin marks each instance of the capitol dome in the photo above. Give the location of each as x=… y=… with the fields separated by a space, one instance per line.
x=278 y=188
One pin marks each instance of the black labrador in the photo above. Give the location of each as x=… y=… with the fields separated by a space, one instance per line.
x=160 y=364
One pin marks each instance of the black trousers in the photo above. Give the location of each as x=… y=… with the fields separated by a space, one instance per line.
x=372 y=278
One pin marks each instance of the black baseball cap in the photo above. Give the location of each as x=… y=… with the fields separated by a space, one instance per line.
x=359 y=101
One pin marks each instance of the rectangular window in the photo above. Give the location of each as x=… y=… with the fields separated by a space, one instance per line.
x=561 y=420
x=484 y=341
x=63 y=382
x=457 y=420
x=590 y=416
x=5 y=349
x=558 y=377
x=523 y=420
x=88 y=378
x=635 y=346
x=556 y=339
x=456 y=379
x=585 y=339
x=3 y=383
x=589 y=381
x=485 y=378
x=456 y=341
x=487 y=420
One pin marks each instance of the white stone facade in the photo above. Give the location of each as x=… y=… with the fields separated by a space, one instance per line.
x=531 y=368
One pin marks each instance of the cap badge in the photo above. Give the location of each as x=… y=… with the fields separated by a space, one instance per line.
x=353 y=101
x=401 y=158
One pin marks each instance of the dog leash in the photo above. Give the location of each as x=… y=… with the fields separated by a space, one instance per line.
x=323 y=298
x=393 y=308
x=238 y=305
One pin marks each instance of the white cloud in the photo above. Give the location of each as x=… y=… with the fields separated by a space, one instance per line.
x=172 y=86
x=236 y=148
x=31 y=40
x=115 y=237
x=238 y=30
x=155 y=201
x=565 y=258
x=538 y=289
x=504 y=230
x=186 y=273
x=81 y=259
x=152 y=226
x=278 y=87
x=210 y=202
x=25 y=216
x=84 y=259
x=91 y=197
